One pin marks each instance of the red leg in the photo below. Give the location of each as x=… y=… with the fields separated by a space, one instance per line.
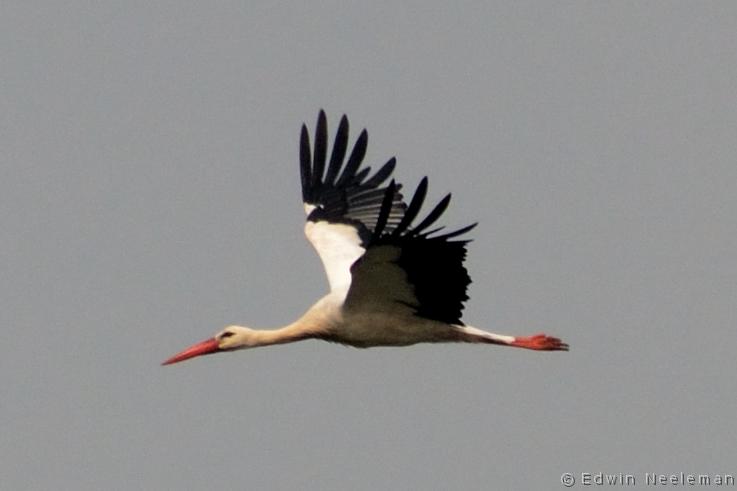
x=540 y=342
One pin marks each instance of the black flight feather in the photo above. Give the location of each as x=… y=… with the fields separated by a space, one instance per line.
x=321 y=148
x=339 y=147
x=354 y=160
x=386 y=208
x=382 y=174
x=433 y=216
x=305 y=165
x=414 y=207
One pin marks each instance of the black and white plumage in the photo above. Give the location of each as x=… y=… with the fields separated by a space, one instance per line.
x=393 y=282
x=363 y=221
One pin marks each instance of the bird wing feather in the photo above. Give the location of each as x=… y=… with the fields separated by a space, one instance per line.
x=362 y=230
x=341 y=203
x=406 y=271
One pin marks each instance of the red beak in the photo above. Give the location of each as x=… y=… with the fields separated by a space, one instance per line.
x=204 y=348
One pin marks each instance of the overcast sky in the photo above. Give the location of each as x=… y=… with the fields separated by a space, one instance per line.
x=150 y=196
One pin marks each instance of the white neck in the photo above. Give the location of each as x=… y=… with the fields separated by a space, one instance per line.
x=287 y=334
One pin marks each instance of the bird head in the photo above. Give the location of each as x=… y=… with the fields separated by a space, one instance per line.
x=230 y=338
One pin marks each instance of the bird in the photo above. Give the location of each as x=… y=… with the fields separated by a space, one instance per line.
x=392 y=282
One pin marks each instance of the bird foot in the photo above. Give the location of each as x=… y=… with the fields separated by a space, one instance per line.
x=540 y=342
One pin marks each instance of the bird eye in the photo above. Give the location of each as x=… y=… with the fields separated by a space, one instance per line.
x=227 y=334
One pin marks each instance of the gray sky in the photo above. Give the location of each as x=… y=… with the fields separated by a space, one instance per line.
x=150 y=196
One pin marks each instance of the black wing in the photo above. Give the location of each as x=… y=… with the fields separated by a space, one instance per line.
x=339 y=190
x=412 y=268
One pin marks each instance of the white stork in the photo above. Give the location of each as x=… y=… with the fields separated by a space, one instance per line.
x=392 y=283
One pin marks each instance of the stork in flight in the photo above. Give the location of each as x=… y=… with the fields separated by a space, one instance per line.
x=392 y=283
